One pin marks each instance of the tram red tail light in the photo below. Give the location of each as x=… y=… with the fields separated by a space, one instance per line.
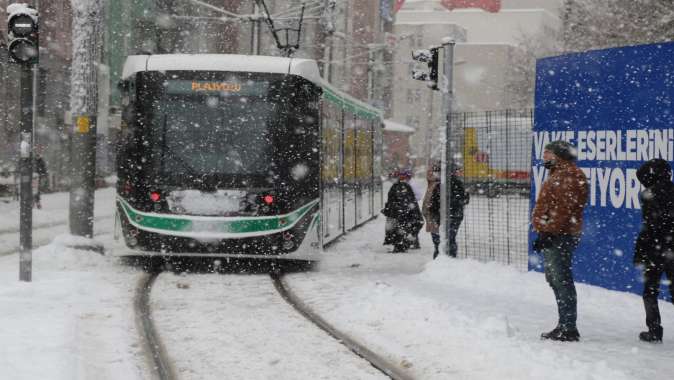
x=155 y=196
x=268 y=199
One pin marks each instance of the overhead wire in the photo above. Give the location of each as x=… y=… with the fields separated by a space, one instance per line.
x=310 y=4
x=217 y=9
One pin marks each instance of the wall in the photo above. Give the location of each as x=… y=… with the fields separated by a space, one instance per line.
x=615 y=106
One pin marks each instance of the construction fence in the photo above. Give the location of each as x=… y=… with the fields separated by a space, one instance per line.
x=494 y=162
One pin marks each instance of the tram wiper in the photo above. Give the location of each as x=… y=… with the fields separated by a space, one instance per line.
x=193 y=173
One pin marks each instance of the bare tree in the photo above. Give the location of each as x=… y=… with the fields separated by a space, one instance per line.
x=597 y=24
x=521 y=74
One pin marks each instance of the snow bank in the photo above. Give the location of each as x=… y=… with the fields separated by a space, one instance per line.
x=73 y=321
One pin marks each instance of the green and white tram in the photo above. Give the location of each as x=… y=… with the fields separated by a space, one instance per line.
x=241 y=156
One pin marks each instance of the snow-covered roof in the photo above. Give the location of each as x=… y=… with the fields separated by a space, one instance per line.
x=390 y=125
x=305 y=68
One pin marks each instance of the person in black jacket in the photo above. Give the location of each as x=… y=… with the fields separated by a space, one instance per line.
x=460 y=199
x=654 y=249
x=402 y=207
x=40 y=167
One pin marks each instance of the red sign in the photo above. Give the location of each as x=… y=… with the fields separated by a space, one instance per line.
x=398 y=5
x=488 y=5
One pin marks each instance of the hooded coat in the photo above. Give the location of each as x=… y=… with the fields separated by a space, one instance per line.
x=401 y=205
x=655 y=242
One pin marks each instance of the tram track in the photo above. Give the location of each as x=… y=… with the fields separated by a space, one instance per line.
x=162 y=366
x=377 y=361
x=154 y=348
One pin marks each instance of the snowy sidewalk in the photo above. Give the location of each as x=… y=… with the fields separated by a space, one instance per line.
x=460 y=319
x=75 y=319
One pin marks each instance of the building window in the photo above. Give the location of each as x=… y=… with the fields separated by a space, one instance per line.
x=419 y=38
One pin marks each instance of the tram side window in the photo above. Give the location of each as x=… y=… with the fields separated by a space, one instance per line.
x=331 y=140
x=364 y=152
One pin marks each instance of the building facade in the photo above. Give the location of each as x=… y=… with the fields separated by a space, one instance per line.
x=487 y=34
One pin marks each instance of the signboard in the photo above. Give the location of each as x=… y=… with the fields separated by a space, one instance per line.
x=615 y=106
x=187 y=87
x=82 y=124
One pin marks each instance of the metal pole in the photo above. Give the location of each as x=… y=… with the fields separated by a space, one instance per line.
x=447 y=160
x=26 y=175
x=255 y=31
x=370 y=75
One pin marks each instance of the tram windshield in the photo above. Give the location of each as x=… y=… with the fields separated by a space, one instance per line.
x=207 y=127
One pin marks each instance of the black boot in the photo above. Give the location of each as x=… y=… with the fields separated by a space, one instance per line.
x=653 y=335
x=562 y=335
x=549 y=334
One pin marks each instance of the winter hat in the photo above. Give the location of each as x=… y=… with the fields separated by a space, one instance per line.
x=563 y=150
x=405 y=173
x=654 y=171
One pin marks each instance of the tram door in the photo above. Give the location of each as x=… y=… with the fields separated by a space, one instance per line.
x=331 y=172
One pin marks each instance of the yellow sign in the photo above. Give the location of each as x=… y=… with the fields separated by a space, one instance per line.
x=216 y=86
x=82 y=124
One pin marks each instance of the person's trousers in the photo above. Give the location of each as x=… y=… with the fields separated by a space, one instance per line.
x=652 y=274
x=558 y=257
x=435 y=236
x=454 y=224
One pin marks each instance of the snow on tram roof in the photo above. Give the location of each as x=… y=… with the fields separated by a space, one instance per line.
x=305 y=68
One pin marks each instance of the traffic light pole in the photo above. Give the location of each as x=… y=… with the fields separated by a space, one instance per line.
x=447 y=88
x=26 y=175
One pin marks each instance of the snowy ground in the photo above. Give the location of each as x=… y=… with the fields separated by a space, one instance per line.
x=440 y=319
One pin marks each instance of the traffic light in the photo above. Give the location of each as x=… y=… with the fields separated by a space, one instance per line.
x=22 y=29
x=430 y=57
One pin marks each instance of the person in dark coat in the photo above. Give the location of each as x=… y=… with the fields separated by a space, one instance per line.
x=40 y=167
x=402 y=207
x=431 y=208
x=389 y=235
x=654 y=248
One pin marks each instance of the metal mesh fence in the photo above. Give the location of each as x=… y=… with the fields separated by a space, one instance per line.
x=494 y=160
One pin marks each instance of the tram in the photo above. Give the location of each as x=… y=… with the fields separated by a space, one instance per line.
x=241 y=156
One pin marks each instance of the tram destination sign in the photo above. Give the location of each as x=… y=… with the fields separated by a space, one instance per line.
x=191 y=87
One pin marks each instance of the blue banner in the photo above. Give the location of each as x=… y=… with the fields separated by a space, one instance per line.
x=616 y=107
